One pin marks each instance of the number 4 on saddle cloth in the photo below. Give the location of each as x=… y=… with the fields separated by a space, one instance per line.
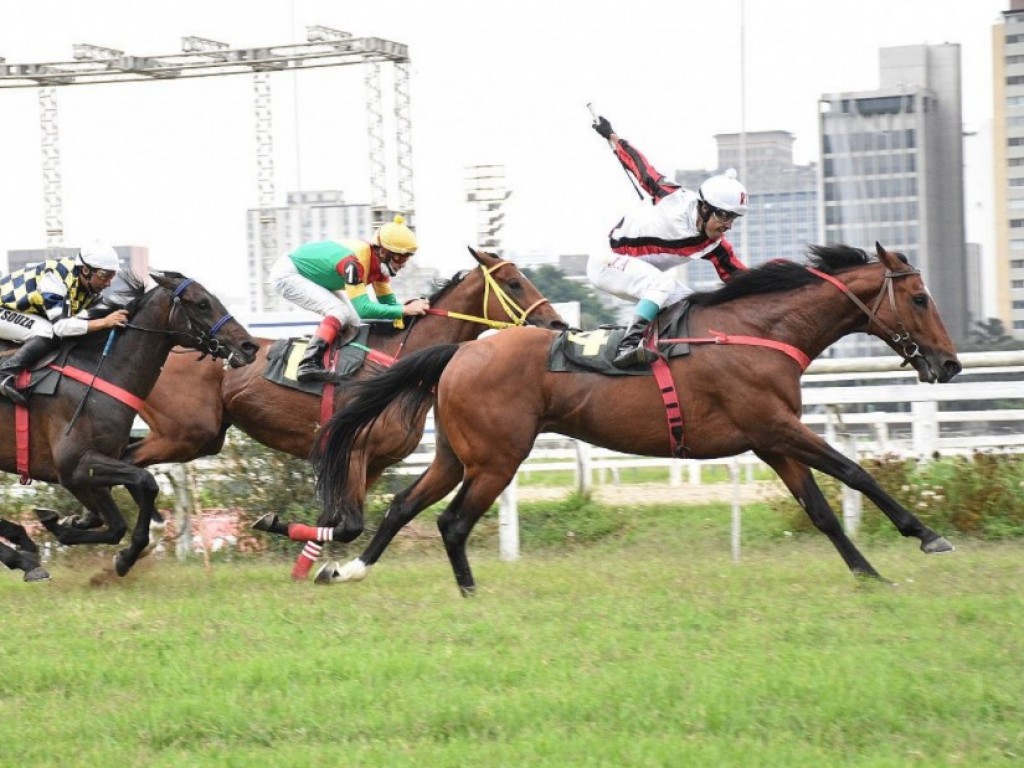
x=284 y=356
x=592 y=351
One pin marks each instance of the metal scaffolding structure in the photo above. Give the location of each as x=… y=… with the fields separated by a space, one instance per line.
x=201 y=57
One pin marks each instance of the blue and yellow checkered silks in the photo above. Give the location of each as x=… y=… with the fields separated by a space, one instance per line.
x=24 y=290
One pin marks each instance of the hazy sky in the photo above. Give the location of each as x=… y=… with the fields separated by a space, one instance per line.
x=172 y=166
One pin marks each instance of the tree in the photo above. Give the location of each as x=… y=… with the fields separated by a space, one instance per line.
x=553 y=283
x=989 y=335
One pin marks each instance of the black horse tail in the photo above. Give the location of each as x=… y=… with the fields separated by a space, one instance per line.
x=408 y=384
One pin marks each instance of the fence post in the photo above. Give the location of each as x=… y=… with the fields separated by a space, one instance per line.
x=583 y=478
x=925 y=427
x=734 y=475
x=508 y=522
x=853 y=502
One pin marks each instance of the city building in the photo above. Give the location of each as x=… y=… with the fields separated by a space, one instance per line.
x=783 y=199
x=892 y=172
x=1008 y=166
x=309 y=216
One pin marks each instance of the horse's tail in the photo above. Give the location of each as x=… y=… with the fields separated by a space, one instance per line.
x=408 y=384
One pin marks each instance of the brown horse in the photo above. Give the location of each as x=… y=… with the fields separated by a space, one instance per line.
x=494 y=396
x=192 y=406
x=78 y=434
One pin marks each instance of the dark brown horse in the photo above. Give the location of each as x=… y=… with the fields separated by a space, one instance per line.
x=495 y=395
x=78 y=434
x=192 y=406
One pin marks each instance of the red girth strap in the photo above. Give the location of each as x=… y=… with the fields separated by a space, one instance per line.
x=21 y=440
x=121 y=395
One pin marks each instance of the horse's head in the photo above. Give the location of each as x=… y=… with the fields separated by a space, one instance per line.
x=200 y=321
x=506 y=297
x=906 y=318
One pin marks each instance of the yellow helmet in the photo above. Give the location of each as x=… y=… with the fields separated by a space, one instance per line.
x=396 y=237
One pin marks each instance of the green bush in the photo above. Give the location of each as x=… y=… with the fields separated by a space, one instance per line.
x=981 y=495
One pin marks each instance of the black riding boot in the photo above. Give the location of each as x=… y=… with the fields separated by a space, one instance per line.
x=631 y=349
x=311 y=367
x=28 y=353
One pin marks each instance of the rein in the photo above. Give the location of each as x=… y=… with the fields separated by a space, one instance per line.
x=908 y=347
x=517 y=314
x=202 y=340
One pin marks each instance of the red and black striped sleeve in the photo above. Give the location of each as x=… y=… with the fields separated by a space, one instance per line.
x=726 y=262
x=652 y=181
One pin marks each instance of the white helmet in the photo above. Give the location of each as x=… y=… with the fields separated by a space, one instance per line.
x=725 y=192
x=99 y=256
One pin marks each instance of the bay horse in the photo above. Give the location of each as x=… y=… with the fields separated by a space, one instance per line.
x=78 y=434
x=192 y=406
x=740 y=393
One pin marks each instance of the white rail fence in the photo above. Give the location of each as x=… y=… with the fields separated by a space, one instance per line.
x=862 y=406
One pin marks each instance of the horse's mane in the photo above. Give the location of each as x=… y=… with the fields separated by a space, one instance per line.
x=781 y=275
x=444 y=287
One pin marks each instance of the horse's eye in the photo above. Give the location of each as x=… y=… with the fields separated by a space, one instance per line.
x=204 y=305
x=515 y=285
x=921 y=300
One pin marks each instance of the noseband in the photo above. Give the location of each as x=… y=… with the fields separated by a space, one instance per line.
x=906 y=346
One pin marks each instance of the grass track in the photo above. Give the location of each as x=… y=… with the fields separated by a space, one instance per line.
x=650 y=650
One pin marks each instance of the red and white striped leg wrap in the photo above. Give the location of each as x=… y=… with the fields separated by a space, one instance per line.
x=300 y=532
x=305 y=561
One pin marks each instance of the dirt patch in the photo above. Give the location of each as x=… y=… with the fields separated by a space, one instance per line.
x=663 y=493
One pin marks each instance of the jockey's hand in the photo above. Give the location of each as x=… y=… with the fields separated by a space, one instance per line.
x=603 y=128
x=416 y=307
x=116 y=319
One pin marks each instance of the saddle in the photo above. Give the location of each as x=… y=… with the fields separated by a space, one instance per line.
x=284 y=355
x=42 y=380
x=593 y=351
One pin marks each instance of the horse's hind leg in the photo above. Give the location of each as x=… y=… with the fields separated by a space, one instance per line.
x=429 y=488
x=805 y=490
x=25 y=557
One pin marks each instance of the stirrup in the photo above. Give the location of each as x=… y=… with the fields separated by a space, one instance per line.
x=638 y=355
x=309 y=373
x=8 y=390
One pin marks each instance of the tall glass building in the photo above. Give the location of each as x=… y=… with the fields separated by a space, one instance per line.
x=892 y=172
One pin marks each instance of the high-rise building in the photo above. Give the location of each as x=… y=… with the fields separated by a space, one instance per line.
x=892 y=172
x=1008 y=166
x=783 y=200
x=308 y=217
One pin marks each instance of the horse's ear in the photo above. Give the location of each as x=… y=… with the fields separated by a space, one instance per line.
x=891 y=260
x=162 y=280
x=482 y=257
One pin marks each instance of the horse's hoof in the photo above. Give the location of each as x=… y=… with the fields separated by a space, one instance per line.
x=327 y=574
x=353 y=570
x=121 y=564
x=46 y=516
x=267 y=523
x=937 y=546
x=37 y=574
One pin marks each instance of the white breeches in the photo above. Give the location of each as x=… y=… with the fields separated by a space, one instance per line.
x=630 y=278
x=302 y=291
x=20 y=326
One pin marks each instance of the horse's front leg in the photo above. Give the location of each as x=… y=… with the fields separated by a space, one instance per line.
x=805 y=490
x=812 y=450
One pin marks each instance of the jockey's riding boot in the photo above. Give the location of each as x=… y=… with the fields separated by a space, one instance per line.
x=631 y=349
x=311 y=367
x=27 y=354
